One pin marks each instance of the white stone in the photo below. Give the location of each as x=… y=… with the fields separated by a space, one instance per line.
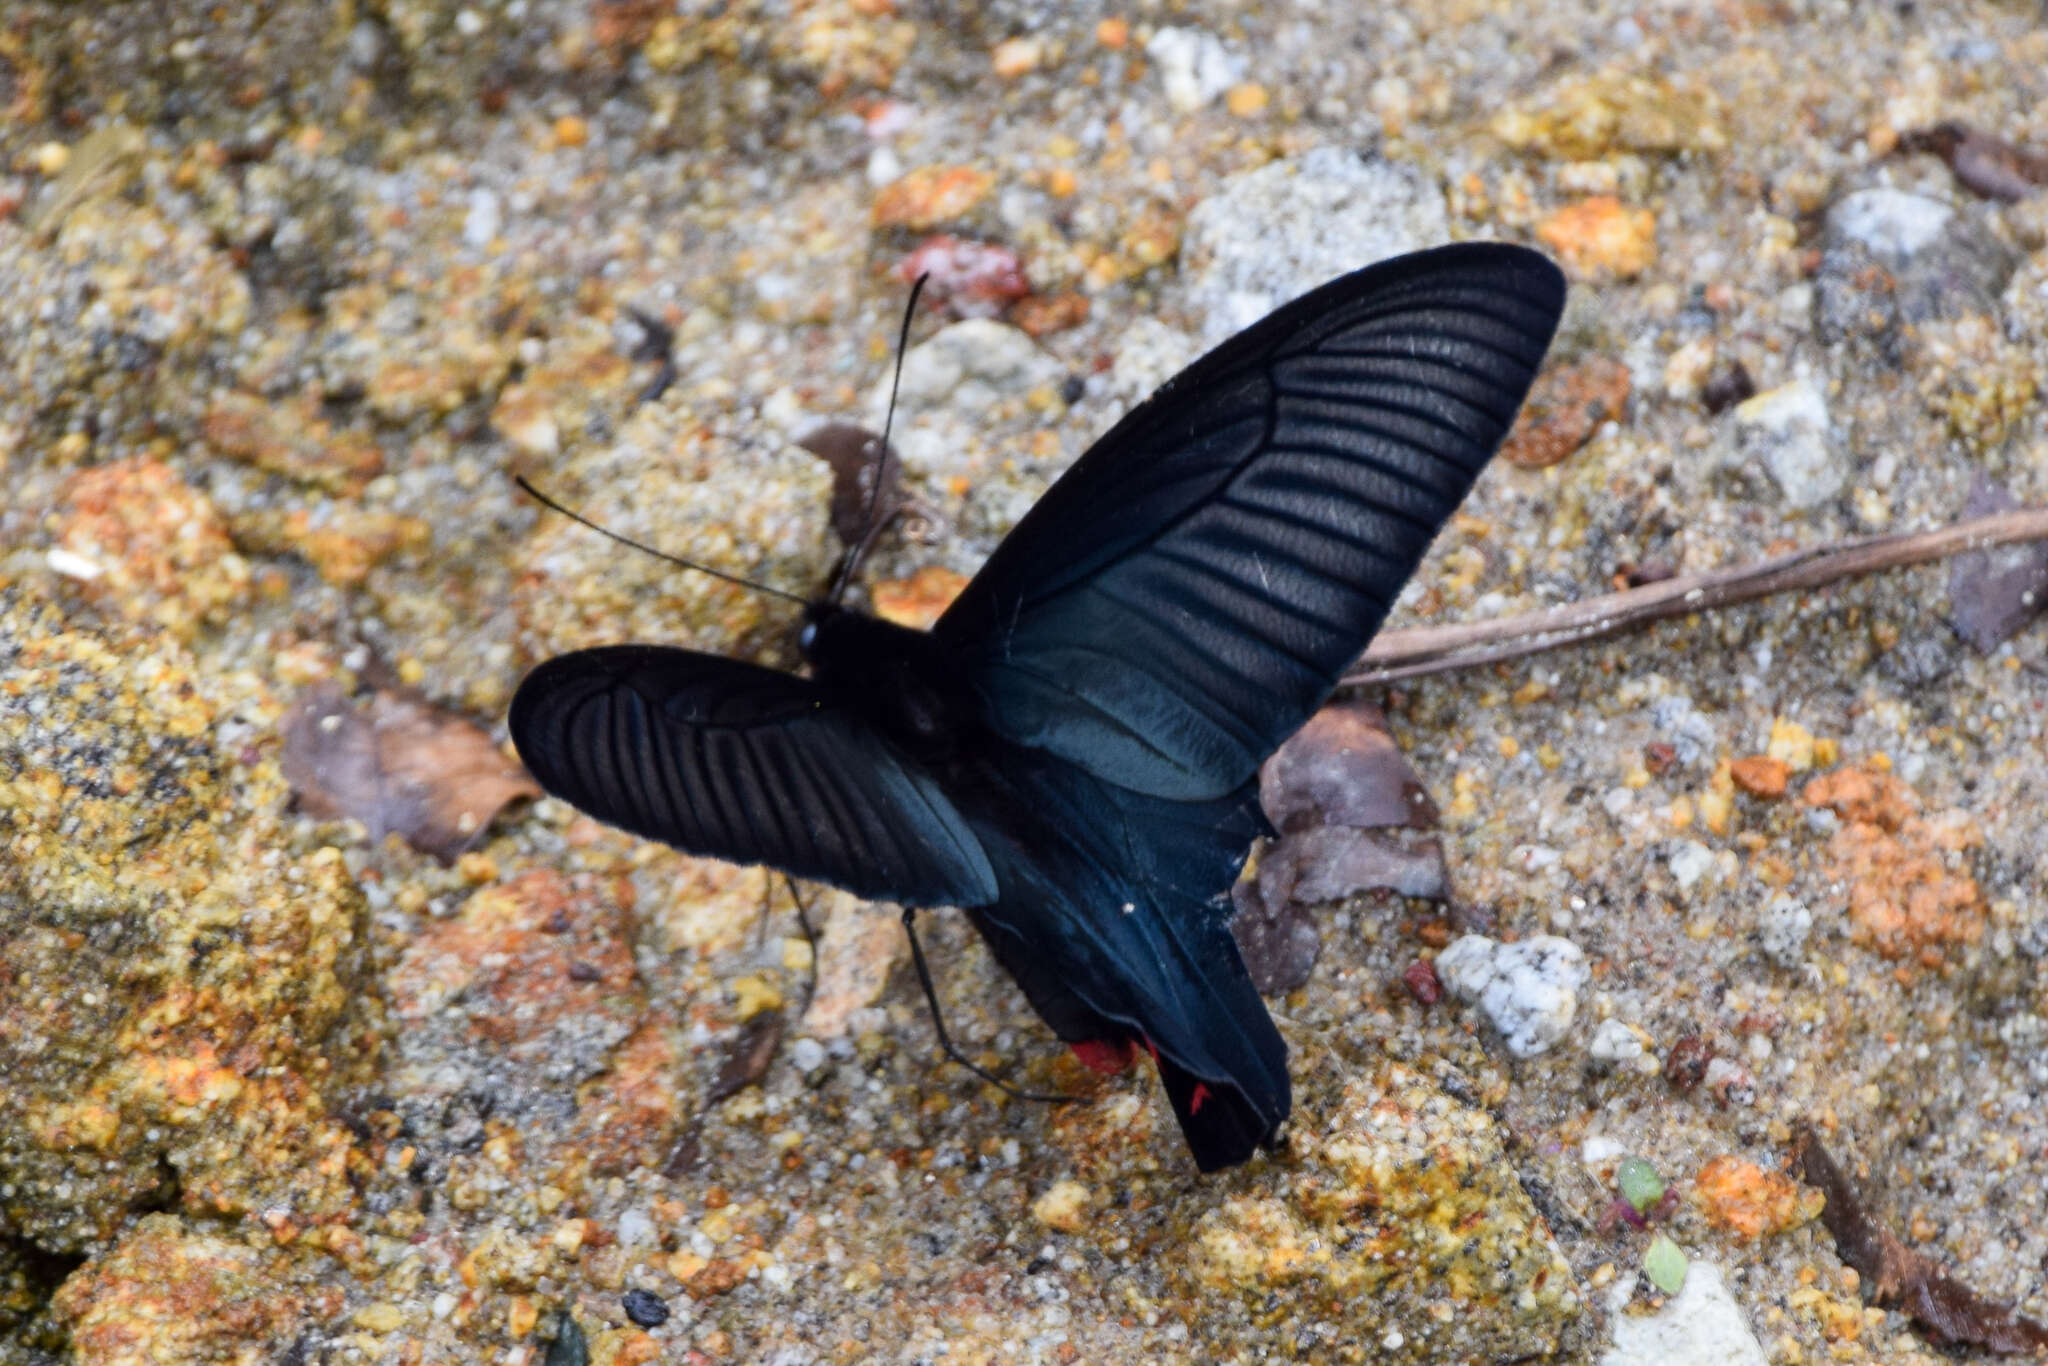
x=807 y=1054
x=73 y=565
x=481 y=224
x=1528 y=990
x=1782 y=929
x=970 y=366
x=1788 y=432
x=1688 y=367
x=1730 y=1081
x=636 y=1229
x=1272 y=234
x=884 y=166
x=1689 y=861
x=1194 y=67
x=1598 y=1150
x=1614 y=1042
x=1701 y=1325
x=1893 y=221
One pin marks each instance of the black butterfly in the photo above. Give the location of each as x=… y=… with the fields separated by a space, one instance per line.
x=1071 y=754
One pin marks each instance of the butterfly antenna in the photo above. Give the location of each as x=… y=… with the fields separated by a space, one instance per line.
x=931 y=996
x=870 y=528
x=677 y=560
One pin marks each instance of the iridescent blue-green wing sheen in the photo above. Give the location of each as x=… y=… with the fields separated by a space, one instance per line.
x=727 y=759
x=1189 y=592
x=1113 y=917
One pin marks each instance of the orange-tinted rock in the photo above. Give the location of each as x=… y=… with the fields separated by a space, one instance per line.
x=1744 y=1198
x=628 y=1118
x=1043 y=314
x=1564 y=409
x=535 y=964
x=1760 y=775
x=141 y=542
x=290 y=439
x=577 y=376
x=171 y=1294
x=343 y=542
x=1910 y=893
x=178 y=989
x=920 y=599
x=1602 y=236
x=1857 y=794
x=931 y=195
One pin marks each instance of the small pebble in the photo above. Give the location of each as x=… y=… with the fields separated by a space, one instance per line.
x=1017 y=57
x=645 y=1308
x=1689 y=862
x=1788 y=435
x=1194 y=67
x=1529 y=990
x=1614 y=1043
x=481 y=224
x=1064 y=1206
x=1783 y=926
x=636 y=1229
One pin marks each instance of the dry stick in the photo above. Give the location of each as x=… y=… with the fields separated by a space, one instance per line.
x=1439 y=649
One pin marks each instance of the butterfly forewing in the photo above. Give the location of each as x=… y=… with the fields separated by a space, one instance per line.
x=742 y=763
x=1190 y=591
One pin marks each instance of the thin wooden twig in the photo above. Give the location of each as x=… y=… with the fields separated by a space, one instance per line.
x=1438 y=649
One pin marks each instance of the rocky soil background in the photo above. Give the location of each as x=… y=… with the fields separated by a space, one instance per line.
x=321 y=1042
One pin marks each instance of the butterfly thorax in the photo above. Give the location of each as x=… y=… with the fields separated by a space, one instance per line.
x=899 y=679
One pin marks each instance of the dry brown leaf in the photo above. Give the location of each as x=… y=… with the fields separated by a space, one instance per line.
x=1988 y=165
x=747 y=1060
x=1993 y=593
x=1565 y=408
x=399 y=766
x=856 y=502
x=1949 y=1311
x=1279 y=943
x=1343 y=768
x=1347 y=805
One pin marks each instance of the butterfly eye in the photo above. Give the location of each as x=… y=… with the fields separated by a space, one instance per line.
x=805 y=637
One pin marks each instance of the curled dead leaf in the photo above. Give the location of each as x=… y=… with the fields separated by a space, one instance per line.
x=1343 y=768
x=856 y=500
x=747 y=1060
x=399 y=766
x=1993 y=593
x=1984 y=163
x=1948 y=1310
x=1349 y=809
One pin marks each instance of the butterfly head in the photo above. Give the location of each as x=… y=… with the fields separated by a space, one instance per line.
x=819 y=618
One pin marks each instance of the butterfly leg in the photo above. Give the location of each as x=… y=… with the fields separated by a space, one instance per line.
x=931 y=996
x=803 y=921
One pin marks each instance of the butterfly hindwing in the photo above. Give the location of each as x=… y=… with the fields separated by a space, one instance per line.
x=731 y=760
x=1186 y=595
x=1116 y=928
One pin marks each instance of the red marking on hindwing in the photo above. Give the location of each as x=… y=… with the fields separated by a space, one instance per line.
x=1107 y=1056
x=1197 y=1096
